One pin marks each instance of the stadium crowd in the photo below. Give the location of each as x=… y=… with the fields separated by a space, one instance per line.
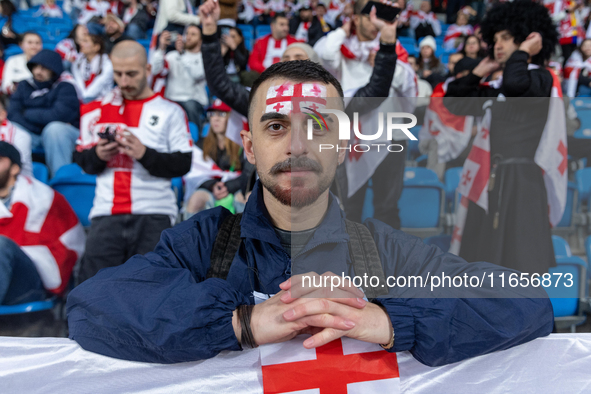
x=139 y=92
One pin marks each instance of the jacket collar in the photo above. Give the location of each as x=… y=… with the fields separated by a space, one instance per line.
x=256 y=222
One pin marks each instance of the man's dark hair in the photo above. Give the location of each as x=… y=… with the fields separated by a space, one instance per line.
x=28 y=32
x=278 y=15
x=295 y=71
x=521 y=18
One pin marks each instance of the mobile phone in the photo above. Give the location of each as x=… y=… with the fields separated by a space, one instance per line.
x=173 y=36
x=383 y=11
x=225 y=30
x=108 y=133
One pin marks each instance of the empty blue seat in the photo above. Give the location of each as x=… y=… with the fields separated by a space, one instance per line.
x=178 y=188
x=40 y=172
x=442 y=241
x=194 y=129
x=263 y=30
x=565 y=300
x=78 y=188
x=583 y=179
x=35 y=306
x=567 y=217
x=452 y=180
x=421 y=200
x=561 y=247
x=247 y=30
x=413 y=146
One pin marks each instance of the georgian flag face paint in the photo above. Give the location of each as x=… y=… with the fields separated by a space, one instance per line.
x=290 y=98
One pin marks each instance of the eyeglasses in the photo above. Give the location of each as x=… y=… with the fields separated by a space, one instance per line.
x=221 y=114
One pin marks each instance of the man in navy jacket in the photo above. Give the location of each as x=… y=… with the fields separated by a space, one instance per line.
x=47 y=107
x=162 y=307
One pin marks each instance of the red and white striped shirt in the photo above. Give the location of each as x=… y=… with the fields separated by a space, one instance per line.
x=125 y=186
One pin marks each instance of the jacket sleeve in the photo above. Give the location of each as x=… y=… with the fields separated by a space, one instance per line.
x=464 y=96
x=89 y=161
x=157 y=61
x=175 y=15
x=132 y=311
x=519 y=81
x=61 y=109
x=445 y=327
x=220 y=85
x=329 y=49
x=16 y=109
x=166 y=165
x=255 y=62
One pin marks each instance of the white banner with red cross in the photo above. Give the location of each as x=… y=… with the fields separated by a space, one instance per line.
x=559 y=363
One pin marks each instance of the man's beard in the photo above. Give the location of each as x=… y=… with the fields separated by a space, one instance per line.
x=299 y=197
x=191 y=46
x=4 y=178
x=133 y=93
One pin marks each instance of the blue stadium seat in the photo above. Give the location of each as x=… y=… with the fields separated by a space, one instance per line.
x=194 y=129
x=588 y=251
x=583 y=182
x=452 y=180
x=249 y=43
x=247 y=30
x=442 y=241
x=35 y=306
x=178 y=188
x=412 y=149
x=78 y=188
x=205 y=130
x=40 y=172
x=567 y=217
x=565 y=300
x=583 y=107
x=421 y=202
x=263 y=30
x=561 y=247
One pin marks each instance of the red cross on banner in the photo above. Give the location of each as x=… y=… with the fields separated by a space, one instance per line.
x=332 y=371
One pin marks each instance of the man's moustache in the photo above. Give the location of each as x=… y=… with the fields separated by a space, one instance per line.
x=300 y=163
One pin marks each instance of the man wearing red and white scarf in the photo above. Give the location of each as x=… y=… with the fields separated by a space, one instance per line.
x=269 y=49
x=424 y=22
x=350 y=57
x=514 y=180
x=41 y=238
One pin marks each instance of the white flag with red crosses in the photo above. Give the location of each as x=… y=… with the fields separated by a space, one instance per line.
x=551 y=157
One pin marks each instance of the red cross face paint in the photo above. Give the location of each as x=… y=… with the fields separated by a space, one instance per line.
x=287 y=98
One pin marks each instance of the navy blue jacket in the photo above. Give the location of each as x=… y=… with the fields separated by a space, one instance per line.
x=160 y=308
x=36 y=104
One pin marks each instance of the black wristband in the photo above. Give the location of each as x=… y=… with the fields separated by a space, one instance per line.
x=244 y=312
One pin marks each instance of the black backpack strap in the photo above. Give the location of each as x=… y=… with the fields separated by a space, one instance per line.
x=225 y=247
x=365 y=257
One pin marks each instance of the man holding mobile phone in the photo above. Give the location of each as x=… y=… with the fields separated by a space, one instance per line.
x=134 y=202
x=184 y=66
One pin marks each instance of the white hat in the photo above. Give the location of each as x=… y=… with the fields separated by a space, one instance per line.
x=428 y=41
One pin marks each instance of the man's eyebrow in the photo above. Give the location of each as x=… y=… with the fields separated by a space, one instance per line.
x=273 y=116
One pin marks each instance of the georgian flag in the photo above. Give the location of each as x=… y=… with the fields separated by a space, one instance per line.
x=343 y=366
x=288 y=97
x=551 y=157
x=572 y=70
x=47 y=230
x=452 y=132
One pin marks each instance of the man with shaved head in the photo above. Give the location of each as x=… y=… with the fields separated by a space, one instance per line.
x=194 y=296
x=135 y=141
